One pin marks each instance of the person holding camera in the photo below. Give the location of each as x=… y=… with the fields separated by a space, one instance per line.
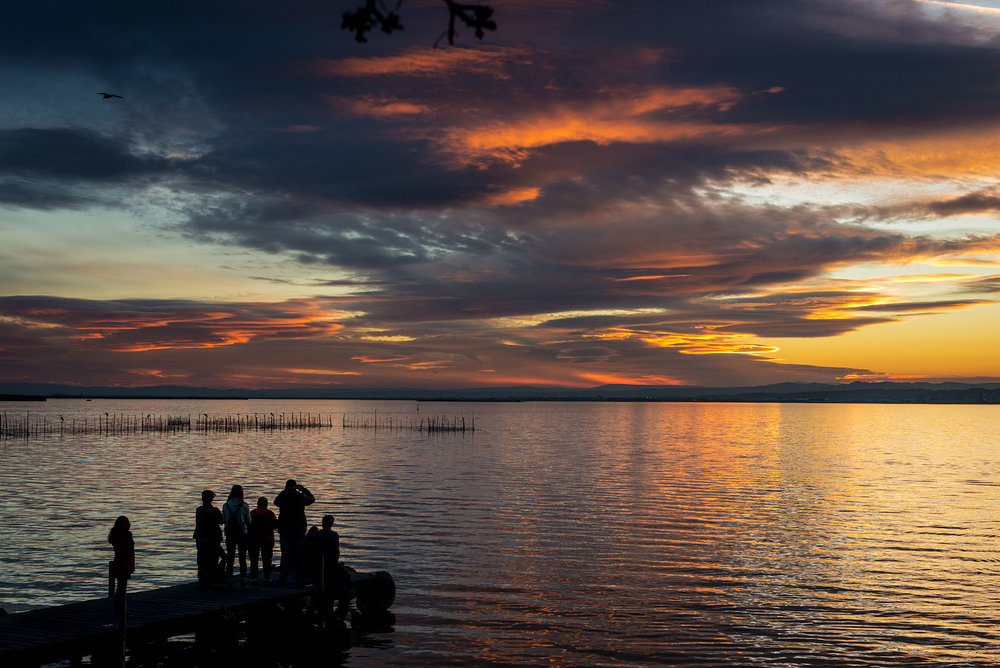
x=291 y=503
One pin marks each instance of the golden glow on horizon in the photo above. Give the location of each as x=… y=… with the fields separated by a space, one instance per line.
x=948 y=344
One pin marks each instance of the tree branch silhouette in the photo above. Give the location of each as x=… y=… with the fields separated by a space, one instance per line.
x=375 y=15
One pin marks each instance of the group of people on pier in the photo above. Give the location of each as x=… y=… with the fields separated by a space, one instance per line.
x=314 y=553
x=252 y=531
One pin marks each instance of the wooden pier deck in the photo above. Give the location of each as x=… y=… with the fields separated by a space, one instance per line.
x=67 y=632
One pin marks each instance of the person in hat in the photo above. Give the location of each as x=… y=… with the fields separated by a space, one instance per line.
x=207 y=535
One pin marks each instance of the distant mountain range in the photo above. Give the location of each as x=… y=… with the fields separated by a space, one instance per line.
x=855 y=392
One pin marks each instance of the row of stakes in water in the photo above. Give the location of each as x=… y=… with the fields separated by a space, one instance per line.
x=119 y=424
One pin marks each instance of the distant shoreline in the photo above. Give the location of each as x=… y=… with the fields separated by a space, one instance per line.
x=993 y=399
x=882 y=392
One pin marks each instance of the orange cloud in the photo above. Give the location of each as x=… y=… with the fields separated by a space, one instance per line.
x=156 y=373
x=378 y=360
x=142 y=327
x=377 y=107
x=962 y=154
x=708 y=344
x=880 y=376
x=627 y=116
x=429 y=365
x=615 y=379
x=512 y=196
x=654 y=277
x=423 y=61
x=324 y=372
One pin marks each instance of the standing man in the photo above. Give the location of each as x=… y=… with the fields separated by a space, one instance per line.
x=334 y=578
x=292 y=502
x=207 y=534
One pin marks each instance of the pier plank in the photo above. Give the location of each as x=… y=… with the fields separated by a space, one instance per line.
x=73 y=629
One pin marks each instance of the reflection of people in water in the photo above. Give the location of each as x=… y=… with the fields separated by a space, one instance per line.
x=207 y=534
x=123 y=565
x=292 y=502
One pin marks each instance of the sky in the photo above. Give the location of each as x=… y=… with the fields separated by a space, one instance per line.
x=663 y=192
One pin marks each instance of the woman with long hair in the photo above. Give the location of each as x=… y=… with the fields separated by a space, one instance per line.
x=122 y=566
x=236 y=518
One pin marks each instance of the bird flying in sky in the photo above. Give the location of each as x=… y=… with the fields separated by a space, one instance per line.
x=108 y=96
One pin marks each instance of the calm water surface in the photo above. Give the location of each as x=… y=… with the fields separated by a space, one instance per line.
x=570 y=533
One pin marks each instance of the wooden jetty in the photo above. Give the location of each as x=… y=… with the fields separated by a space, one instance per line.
x=72 y=631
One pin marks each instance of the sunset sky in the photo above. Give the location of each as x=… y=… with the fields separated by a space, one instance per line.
x=705 y=192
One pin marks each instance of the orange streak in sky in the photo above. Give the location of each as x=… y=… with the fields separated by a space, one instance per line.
x=324 y=372
x=423 y=61
x=376 y=360
x=616 y=379
x=513 y=196
x=382 y=107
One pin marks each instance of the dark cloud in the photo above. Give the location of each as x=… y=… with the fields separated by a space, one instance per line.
x=52 y=168
x=72 y=154
x=34 y=195
x=977 y=202
x=142 y=325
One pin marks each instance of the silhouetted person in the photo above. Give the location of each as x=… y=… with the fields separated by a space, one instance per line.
x=123 y=565
x=292 y=502
x=207 y=534
x=236 y=518
x=108 y=96
x=333 y=576
x=311 y=555
x=262 y=525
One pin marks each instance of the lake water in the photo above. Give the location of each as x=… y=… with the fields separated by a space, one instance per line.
x=597 y=534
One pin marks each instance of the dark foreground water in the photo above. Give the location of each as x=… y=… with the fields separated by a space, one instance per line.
x=571 y=533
